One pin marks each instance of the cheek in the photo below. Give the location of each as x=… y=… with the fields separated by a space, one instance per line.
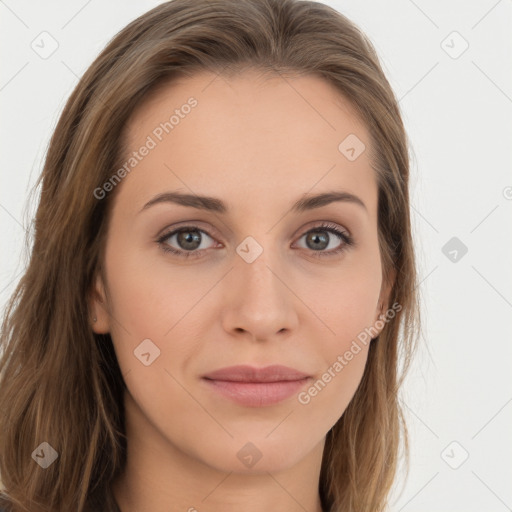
x=153 y=300
x=353 y=311
x=148 y=295
x=347 y=308
x=353 y=314
x=343 y=352
x=347 y=301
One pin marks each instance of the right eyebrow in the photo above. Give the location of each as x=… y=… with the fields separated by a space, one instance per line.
x=194 y=201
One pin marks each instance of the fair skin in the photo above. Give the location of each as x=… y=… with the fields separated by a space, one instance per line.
x=259 y=145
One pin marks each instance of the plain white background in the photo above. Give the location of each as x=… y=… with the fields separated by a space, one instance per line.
x=450 y=65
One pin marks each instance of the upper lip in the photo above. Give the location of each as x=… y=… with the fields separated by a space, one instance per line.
x=245 y=373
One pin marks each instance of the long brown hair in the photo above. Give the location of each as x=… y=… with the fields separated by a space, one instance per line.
x=59 y=382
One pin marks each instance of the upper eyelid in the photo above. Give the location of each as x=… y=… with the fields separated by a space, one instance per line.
x=171 y=231
x=167 y=232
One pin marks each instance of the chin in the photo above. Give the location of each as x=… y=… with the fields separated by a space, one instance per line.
x=259 y=454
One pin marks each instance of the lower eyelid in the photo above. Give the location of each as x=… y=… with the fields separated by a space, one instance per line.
x=175 y=232
x=180 y=252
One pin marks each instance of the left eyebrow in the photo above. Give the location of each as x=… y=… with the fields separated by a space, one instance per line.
x=217 y=205
x=319 y=200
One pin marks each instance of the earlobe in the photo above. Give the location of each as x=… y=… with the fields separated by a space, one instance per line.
x=99 y=316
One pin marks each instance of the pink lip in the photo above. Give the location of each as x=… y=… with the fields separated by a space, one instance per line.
x=256 y=387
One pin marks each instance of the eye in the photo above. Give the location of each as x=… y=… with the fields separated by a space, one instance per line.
x=189 y=240
x=320 y=238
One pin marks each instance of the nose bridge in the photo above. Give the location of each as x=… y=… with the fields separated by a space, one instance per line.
x=258 y=274
x=258 y=302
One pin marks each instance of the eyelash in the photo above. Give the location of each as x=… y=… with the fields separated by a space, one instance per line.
x=347 y=240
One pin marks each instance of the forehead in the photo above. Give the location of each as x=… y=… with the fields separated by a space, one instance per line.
x=255 y=134
x=251 y=100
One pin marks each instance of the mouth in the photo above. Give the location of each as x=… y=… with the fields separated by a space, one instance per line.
x=256 y=387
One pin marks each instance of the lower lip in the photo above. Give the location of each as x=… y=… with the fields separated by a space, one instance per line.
x=257 y=394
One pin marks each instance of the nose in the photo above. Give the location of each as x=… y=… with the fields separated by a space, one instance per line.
x=259 y=302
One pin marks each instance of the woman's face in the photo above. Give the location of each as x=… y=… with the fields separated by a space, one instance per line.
x=263 y=284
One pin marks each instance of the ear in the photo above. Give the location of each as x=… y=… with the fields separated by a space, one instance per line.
x=383 y=304
x=100 y=320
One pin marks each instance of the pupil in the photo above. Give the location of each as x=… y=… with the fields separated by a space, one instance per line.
x=189 y=241
x=319 y=240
